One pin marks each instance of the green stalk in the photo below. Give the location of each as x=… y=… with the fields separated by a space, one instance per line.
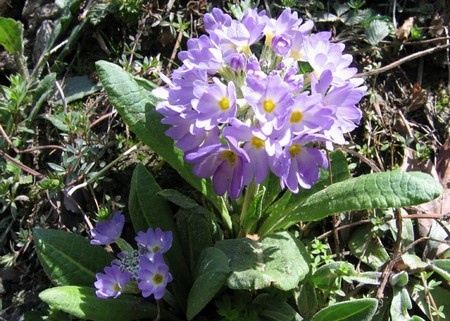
x=250 y=193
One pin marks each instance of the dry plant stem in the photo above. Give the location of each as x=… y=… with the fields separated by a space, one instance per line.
x=396 y=253
x=33 y=149
x=402 y=61
x=410 y=216
x=103 y=117
x=174 y=51
x=429 y=298
x=20 y=165
x=366 y=160
x=5 y=135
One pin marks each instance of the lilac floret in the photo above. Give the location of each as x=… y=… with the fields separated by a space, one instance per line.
x=153 y=276
x=108 y=232
x=112 y=282
x=154 y=241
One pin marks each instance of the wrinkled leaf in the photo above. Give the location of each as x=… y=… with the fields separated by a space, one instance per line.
x=82 y=303
x=278 y=260
x=197 y=231
x=354 y=310
x=178 y=198
x=212 y=273
x=371 y=191
x=69 y=259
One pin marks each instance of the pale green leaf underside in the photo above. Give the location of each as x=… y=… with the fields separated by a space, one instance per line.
x=355 y=310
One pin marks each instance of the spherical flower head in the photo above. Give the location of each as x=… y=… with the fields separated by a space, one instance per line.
x=153 y=276
x=239 y=110
x=109 y=231
x=154 y=241
x=112 y=282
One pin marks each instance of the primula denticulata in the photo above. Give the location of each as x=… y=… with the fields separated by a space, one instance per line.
x=260 y=95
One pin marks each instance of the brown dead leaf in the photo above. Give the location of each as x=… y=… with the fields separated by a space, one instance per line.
x=402 y=33
x=437 y=29
x=417 y=99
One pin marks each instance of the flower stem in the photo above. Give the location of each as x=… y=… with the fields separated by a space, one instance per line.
x=246 y=225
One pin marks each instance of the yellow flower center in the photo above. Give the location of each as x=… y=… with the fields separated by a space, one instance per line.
x=296 y=54
x=268 y=41
x=155 y=249
x=116 y=287
x=294 y=150
x=229 y=156
x=246 y=50
x=224 y=103
x=269 y=105
x=157 y=279
x=256 y=142
x=296 y=117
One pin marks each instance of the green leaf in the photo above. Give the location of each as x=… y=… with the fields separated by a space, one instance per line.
x=440 y=296
x=367 y=247
x=377 y=190
x=272 y=307
x=76 y=88
x=289 y=201
x=82 y=303
x=376 y=31
x=325 y=276
x=149 y=209
x=212 y=273
x=442 y=267
x=278 y=260
x=178 y=198
x=11 y=35
x=197 y=231
x=306 y=299
x=400 y=305
x=42 y=93
x=69 y=259
x=137 y=107
x=354 y=310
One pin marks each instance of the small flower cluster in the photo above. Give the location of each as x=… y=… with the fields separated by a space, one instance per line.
x=144 y=266
x=257 y=95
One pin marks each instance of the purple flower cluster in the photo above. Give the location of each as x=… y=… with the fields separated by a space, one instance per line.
x=239 y=110
x=144 y=266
